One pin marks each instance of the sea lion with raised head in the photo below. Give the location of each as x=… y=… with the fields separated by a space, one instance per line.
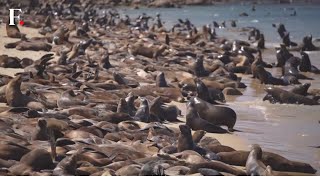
x=15 y=98
x=195 y=122
x=143 y=113
x=254 y=166
x=217 y=115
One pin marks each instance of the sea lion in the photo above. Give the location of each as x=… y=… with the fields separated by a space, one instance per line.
x=161 y=80
x=217 y=165
x=301 y=89
x=291 y=68
x=261 y=42
x=195 y=122
x=254 y=166
x=305 y=64
x=198 y=67
x=277 y=162
x=15 y=98
x=143 y=113
x=185 y=141
x=13 y=31
x=69 y=99
x=210 y=95
x=266 y=77
x=104 y=62
x=217 y=115
x=275 y=95
x=152 y=168
x=282 y=55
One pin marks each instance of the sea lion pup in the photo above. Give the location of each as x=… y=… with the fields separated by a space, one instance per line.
x=13 y=31
x=217 y=115
x=254 y=166
x=198 y=68
x=69 y=98
x=104 y=61
x=58 y=36
x=143 y=113
x=305 y=64
x=41 y=132
x=210 y=95
x=161 y=80
x=195 y=122
x=275 y=95
x=198 y=135
x=301 y=89
x=15 y=98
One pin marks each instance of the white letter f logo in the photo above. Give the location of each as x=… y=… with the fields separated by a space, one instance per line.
x=12 y=16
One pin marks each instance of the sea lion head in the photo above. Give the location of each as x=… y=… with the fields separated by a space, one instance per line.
x=257 y=151
x=185 y=130
x=161 y=80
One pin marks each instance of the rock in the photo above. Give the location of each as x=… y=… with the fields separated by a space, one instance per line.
x=161 y=3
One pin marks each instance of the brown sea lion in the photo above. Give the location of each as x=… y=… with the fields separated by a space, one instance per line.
x=195 y=122
x=275 y=95
x=254 y=166
x=150 y=52
x=15 y=98
x=185 y=141
x=33 y=46
x=69 y=98
x=277 y=162
x=13 y=31
x=301 y=89
x=217 y=115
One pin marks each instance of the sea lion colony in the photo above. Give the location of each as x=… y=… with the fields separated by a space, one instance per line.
x=100 y=107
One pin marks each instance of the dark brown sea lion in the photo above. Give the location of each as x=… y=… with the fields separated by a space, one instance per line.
x=152 y=168
x=266 y=77
x=13 y=151
x=277 y=162
x=254 y=166
x=217 y=115
x=301 y=89
x=13 y=31
x=198 y=67
x=9 y=62
x=210 y=95
x=275 y=95
x=41 y=132
x=33 y=46
x=35 y=160
x=161 y=80
x=15 y=98
x=185 y=141
x=195 y=122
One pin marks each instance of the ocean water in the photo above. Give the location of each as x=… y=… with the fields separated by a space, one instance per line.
x=290 y=130
x=306 y=22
